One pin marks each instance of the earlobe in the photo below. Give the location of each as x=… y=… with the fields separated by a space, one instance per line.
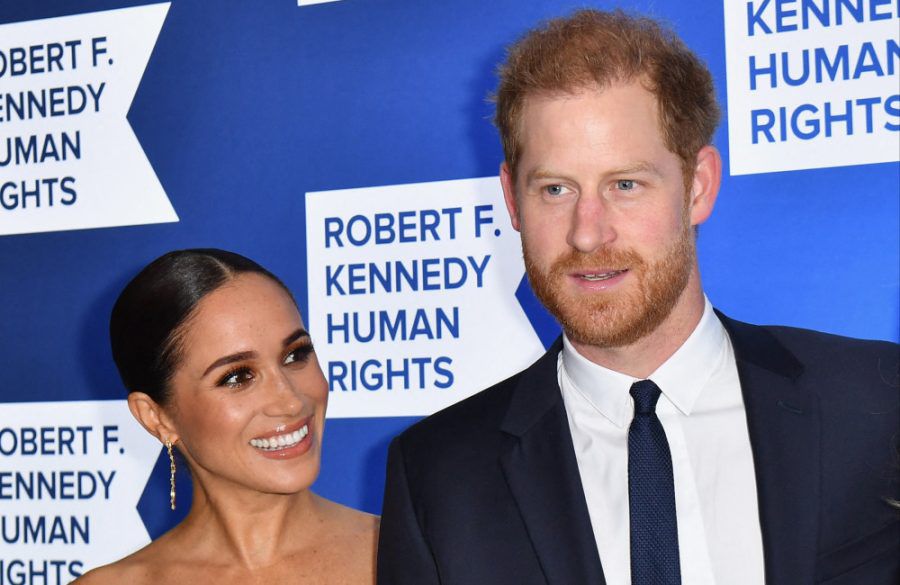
x=509 y=195
x=705 y=186
x=152 y=417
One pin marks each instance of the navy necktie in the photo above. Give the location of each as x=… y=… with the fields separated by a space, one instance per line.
x=651 y=494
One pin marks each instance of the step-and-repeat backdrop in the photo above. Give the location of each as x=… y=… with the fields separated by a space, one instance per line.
x=347 y=146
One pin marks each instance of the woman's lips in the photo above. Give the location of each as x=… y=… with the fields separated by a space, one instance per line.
x=291 y=441
x=284 y=429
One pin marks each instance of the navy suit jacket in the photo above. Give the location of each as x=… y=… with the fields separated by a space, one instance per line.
x=487 y=492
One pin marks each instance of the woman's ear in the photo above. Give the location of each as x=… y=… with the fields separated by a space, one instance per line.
x=152 y=417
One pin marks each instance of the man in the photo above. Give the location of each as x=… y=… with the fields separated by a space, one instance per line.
x=657 y=441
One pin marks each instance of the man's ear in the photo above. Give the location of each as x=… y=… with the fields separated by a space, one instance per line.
x=152 y=417
x=705 y=186
x=509 y=195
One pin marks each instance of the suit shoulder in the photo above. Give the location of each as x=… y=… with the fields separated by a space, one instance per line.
x=796 y=336
x=457 y=440
x=831 y=365
x=483 y=410
x=812 y=346
x=835 y=361
x=469 y=435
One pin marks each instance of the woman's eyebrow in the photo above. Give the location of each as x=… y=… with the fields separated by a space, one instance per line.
x=295 y=336
x=229 y=359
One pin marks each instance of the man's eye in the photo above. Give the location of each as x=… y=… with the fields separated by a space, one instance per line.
x=554 y=190
x=299 y=354
x=625 y=185
x=236 y=378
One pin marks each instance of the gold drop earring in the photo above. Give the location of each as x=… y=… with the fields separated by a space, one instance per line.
x=171 y=474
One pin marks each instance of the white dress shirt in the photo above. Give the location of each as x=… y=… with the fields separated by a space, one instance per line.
x=702 y=412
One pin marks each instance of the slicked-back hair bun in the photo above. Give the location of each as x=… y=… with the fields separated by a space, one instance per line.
x=146 y=320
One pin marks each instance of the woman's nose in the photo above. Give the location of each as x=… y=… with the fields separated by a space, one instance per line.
x=283 y=398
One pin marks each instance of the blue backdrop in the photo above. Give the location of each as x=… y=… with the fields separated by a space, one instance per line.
x=245 y=107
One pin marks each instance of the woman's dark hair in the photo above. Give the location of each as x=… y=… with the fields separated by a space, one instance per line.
x=145 y=324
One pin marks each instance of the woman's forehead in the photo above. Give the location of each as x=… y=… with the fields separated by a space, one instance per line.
x=250 y=306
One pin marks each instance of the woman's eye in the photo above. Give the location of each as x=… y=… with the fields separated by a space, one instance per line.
x=625 y=185
x=236 y=378
x=299 y=354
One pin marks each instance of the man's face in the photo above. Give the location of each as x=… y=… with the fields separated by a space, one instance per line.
x=605 y=220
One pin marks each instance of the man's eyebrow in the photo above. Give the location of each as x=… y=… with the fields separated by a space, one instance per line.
x=229 y=359
x=638 y=167
x=628 y=169
x=540 y=174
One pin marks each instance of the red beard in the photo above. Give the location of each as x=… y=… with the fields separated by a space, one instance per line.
x=614 y=318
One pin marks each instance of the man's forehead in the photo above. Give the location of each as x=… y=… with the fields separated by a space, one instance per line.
x=586 y=87
x=616 y=104
x=627 y=128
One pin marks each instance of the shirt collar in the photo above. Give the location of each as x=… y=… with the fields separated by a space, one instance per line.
x=681 y=378
x=606 y=390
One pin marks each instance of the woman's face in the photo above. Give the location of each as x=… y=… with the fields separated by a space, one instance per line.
x=249 y=397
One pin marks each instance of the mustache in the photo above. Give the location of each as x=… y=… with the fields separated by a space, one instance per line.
x=575 y=260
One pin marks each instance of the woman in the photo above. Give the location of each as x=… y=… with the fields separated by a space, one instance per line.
x=214 y=354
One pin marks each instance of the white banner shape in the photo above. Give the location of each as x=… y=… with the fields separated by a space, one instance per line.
x=68 y=157
x=412 y=295
x=71 y=475
x=812 y=84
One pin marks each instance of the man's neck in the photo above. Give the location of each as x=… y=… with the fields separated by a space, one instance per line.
x=644 y=356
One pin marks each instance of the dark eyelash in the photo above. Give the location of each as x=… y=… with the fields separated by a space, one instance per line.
x=302 y=351
x=223 y=381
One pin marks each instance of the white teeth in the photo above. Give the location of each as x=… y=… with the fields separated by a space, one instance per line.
x=281 y=441
x=604 y=276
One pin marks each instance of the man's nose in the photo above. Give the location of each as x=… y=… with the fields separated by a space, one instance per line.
x=591 y=223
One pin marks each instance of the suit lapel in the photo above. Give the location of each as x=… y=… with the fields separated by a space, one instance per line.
x=542 y=473
x=783 y=422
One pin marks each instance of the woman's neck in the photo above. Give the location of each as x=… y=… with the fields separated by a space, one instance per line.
x=256 y=529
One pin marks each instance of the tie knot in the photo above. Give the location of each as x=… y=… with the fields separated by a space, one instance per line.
x=645 y=394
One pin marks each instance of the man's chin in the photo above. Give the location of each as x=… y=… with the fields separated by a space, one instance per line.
x=604 y=335
x=587 y=319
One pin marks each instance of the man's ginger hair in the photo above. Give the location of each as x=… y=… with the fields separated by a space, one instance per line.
x=592 y=48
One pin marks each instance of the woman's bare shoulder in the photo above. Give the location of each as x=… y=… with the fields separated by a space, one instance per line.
x=123 y=571
x=353 y=539
x=138 y=568
x=351 y=521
